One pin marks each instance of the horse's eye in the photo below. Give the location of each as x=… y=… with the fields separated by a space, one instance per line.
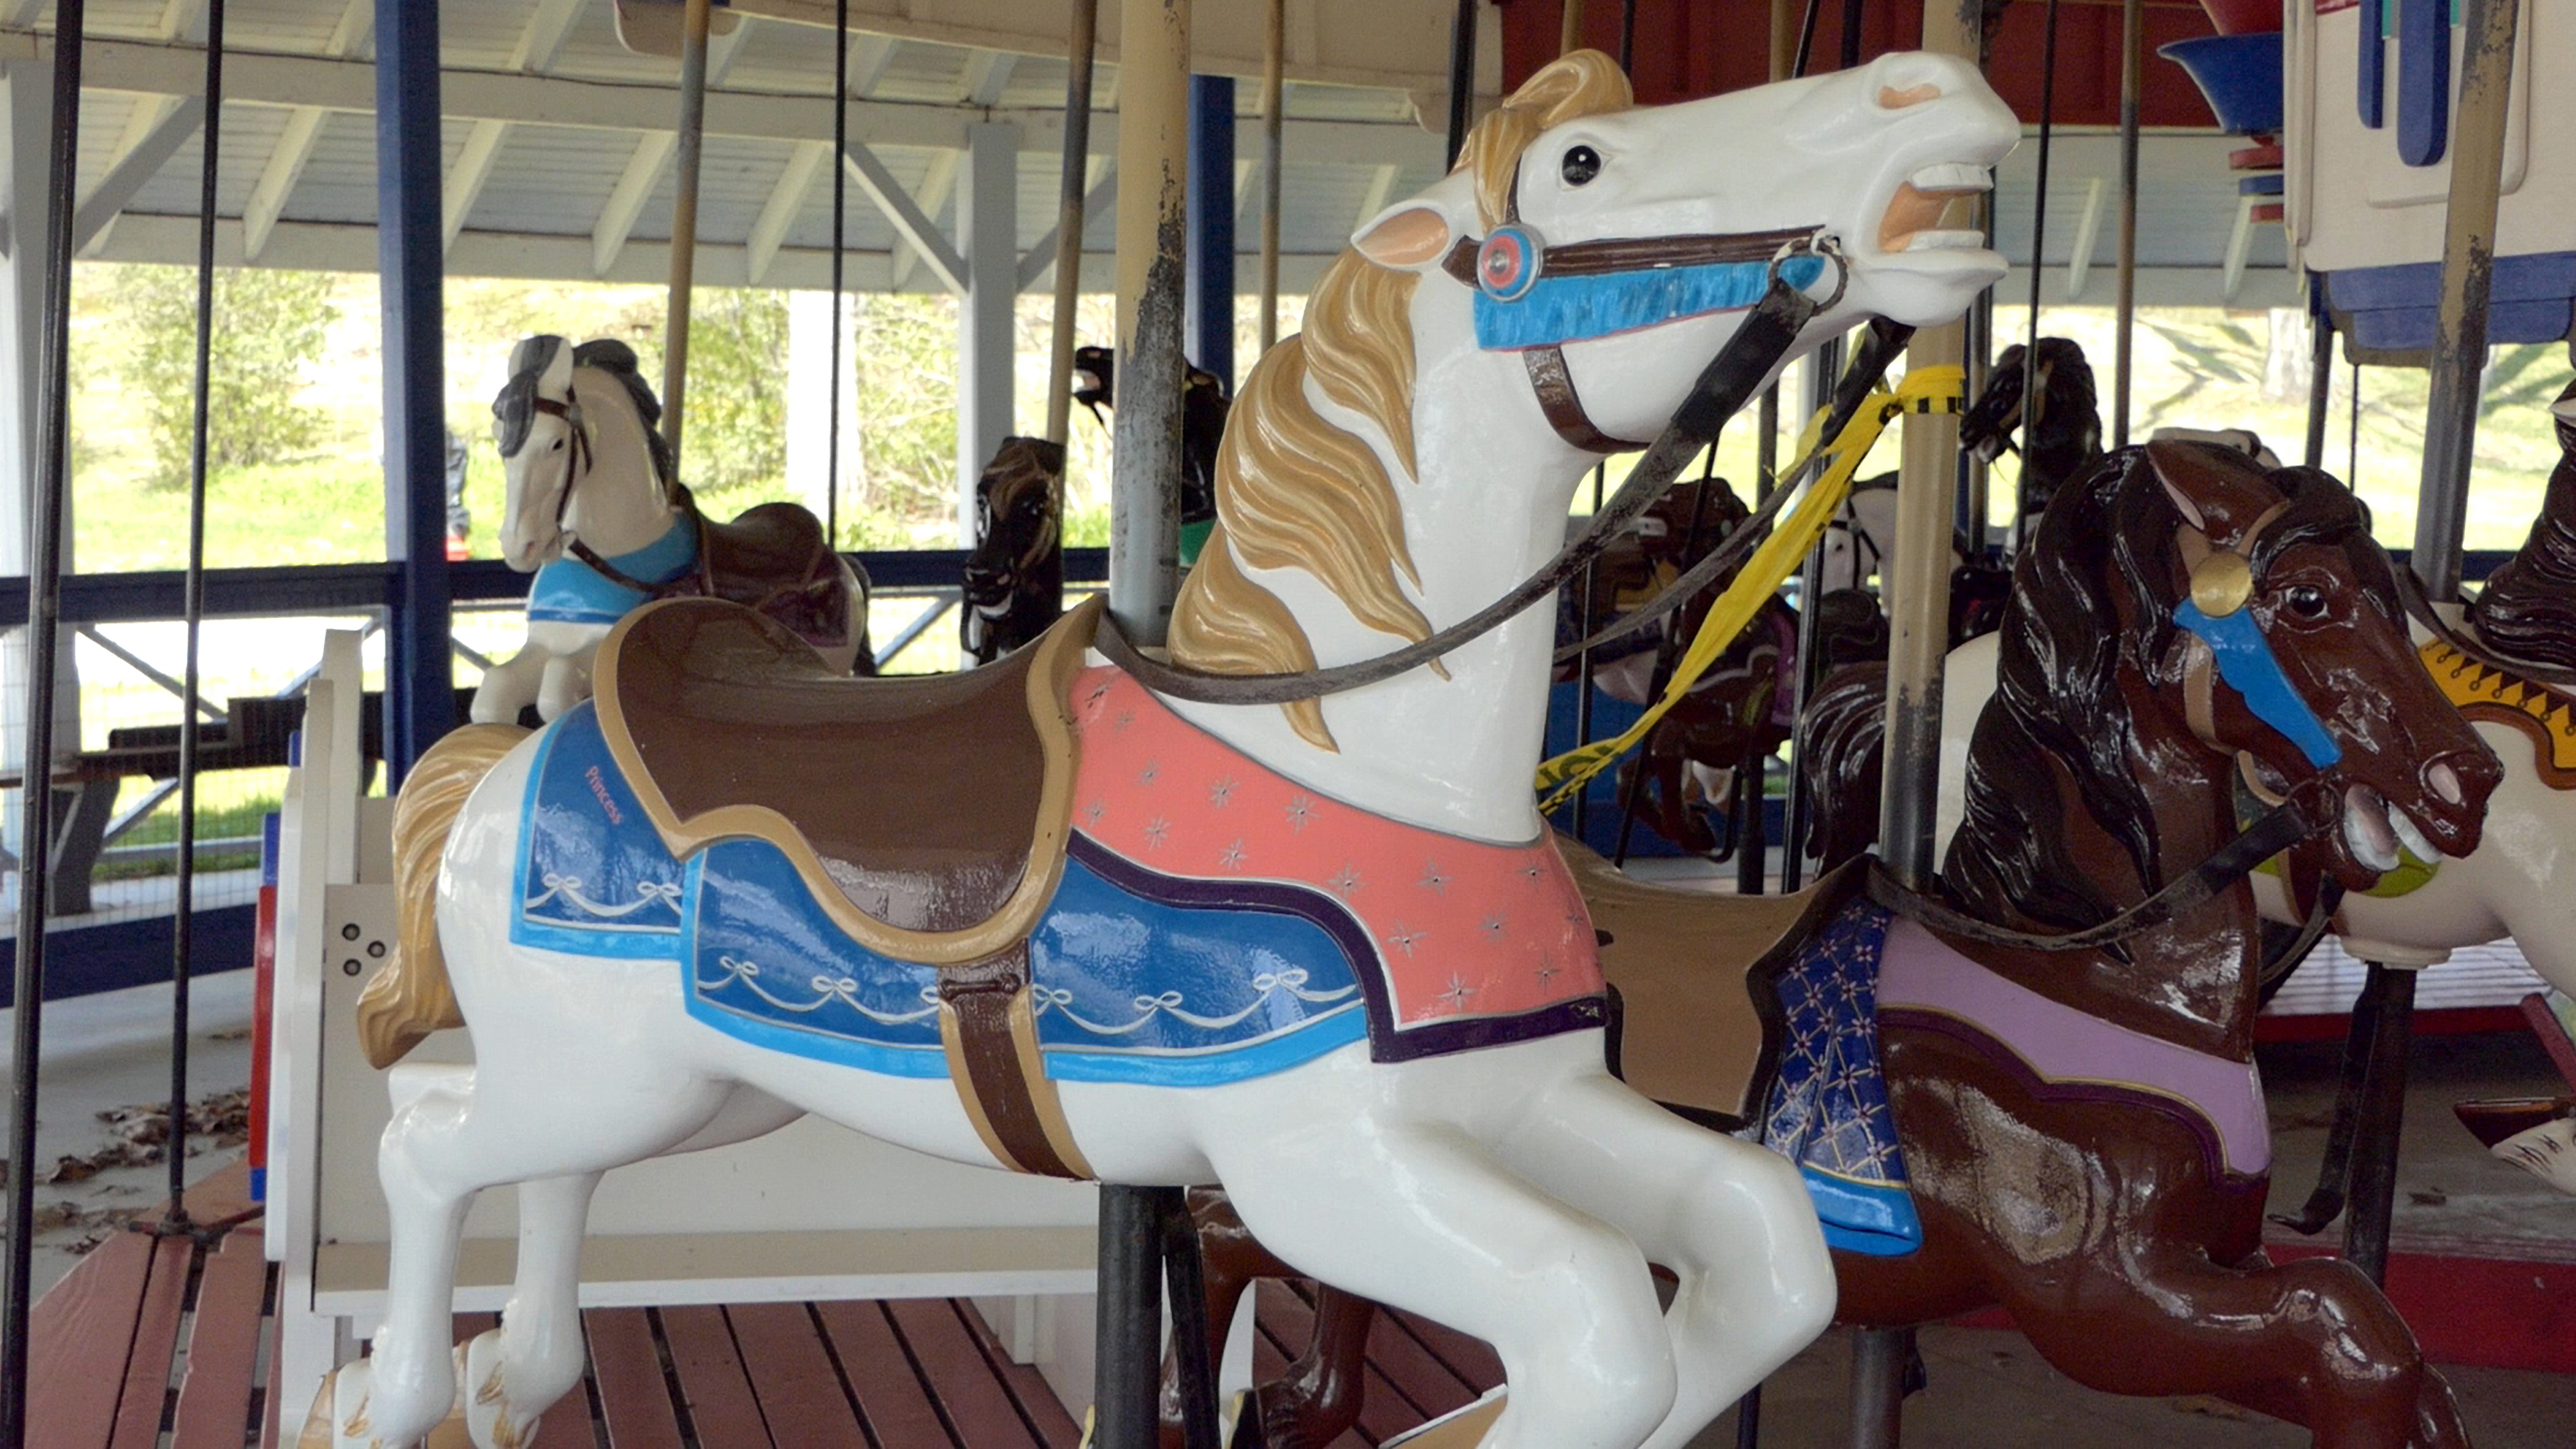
x=1581 y=164
x=558 y=447
x=2306 y=600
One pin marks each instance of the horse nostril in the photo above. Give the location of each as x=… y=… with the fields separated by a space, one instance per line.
x=1892 y=99
x=2444 y=782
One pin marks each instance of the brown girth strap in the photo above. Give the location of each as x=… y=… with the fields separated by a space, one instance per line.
x=988 y=1026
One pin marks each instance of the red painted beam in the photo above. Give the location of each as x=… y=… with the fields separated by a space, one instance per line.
x=1690 y=48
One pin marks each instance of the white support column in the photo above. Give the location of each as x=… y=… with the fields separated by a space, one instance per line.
x=988 y=237
x=811 y=395
x=26 y=129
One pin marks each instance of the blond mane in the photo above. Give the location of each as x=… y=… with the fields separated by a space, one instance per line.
x=1294 y=490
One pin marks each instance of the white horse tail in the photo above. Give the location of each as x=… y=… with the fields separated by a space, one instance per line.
x=411 y=997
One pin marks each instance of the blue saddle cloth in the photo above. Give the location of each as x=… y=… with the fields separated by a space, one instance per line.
x=1134 y=977
x=1826 y=1109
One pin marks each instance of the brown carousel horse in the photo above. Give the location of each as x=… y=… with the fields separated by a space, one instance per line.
x=2078 y=1135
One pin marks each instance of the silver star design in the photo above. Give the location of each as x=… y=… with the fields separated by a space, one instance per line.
x=1345 y=881
x=1232 y=856
x=1493 y=924
x=1146 y=775
x=1403 y=940
x=1432 y=880
x=1457 y=993
x=1221 y=794
x=1156 y=830
x=1123 y=719
x=1548 y=971
x=1092 y=812
x=1301 y=811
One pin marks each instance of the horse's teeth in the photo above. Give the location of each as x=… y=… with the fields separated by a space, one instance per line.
x=2412 y=838
x=1953 y=176
x=1925 y=241
x=2366 y=829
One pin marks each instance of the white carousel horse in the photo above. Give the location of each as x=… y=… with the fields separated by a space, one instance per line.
x=590 y=507
x=1325 y=954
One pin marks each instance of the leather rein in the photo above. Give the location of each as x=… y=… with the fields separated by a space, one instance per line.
x=1765 y=336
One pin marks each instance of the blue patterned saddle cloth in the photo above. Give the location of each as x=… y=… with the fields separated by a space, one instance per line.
x=1134 y=978
x=1826 y=1108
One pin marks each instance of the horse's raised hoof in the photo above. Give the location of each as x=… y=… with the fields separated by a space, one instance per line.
x=1459 y=1429
x=487 y=1415
x=2536 y=1134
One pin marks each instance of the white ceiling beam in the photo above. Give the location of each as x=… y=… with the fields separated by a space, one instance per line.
x=937 y=185
x=786 y=203
x=19 y=14
x=542 y=42
x=870 y=54
x=988 y=74
x=356 y=32
x=150 y=153
x=721 y=50
x=2088 y=225
x=626 y=199
x=183 y=20
x=1039 y=260
x=465 y=179
x=148 y=112
x=277 y=179
x=471 y=95
x=906 y=216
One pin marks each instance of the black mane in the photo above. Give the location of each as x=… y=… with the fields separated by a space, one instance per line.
x=2528 y=608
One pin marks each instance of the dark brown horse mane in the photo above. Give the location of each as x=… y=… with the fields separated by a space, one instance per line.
x=2107 y=538
x=2528 y=609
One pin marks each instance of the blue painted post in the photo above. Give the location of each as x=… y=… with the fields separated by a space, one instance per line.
x=1208 y=303
x=420 y=678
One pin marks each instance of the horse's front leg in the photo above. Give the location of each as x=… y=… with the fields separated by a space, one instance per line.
x=509 y=686
x=567 y=669
x=2310 y=1342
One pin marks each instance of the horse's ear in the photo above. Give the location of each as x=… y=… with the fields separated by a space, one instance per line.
x=558 y=373
x=2217 y=490
x=1410 y=235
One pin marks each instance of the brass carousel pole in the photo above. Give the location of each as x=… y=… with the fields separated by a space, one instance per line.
x=684 y=222
x=1274 y=60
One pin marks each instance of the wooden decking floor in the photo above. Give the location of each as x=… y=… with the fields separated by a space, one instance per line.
x=153 y=1341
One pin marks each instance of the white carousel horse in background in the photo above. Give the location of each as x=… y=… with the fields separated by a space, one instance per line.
x=2520 y=882
x=591 y=508
x=1418 y=1109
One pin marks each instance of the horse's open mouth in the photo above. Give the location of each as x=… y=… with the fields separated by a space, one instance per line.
x=2374 y=831
x=1913 y=219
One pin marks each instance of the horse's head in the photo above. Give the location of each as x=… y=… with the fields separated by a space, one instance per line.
x=2247 y=611
x=1095 y=379
x=1018 y=500
x=2065 y=391
x=1625 y=241
x=549 y=442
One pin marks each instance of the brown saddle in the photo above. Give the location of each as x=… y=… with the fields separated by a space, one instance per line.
x=927 y=815
x=774 y=558
x=1692 y=969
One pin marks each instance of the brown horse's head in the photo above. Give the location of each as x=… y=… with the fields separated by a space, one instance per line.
x=2184 y=598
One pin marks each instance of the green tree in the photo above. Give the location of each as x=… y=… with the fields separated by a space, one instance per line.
x=269 y=325
x=736 y=430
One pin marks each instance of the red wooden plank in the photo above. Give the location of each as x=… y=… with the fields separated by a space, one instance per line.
x=1432 y=1385
x=891 y=1400
x=156 y=1334
x=712 y=1383
x=79 y=1337
x=1028 y=1388
x=1470 y=1358
x=632 y=1397
x=800 y=1392
x=223 y=1347
x=968 y=1392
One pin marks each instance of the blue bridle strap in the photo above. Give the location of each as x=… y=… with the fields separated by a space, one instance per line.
x=2246 y=662
x=1555 y=310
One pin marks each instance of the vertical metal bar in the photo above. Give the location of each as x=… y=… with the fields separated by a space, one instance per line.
x=2132 y=48
x=2383 y=1109
x=2031 y=401
x=1208 y=299
x=1627 y=37
x=840 y=224
x=35 y=797
x=420 y=676
x=1462 y=74
x=1128 y=1383
x=1185 y=1279
x=2468 y=267
x=1153 y=225
x=193 y=610
x=1274 y=125
x=1821 y=368
x=1080 y=41
x=1879 y=1357
x=684 y=221
x=2320 y=382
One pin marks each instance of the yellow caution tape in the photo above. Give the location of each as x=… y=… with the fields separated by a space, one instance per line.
x=1923 y=390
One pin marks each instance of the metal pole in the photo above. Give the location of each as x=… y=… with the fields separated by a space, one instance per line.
x=1128 y=1380
x=2320 y=382
x=2468 y=267
x=1208 y=297
x=684 y=222
x=1274 y=125
x=2132 y=49
x=1821 y=367
x=2031 y=401
x=1079 y=44
x=35 y=795
x=1153 y=227
x=1879 y=1357
x=2383 y=1109
x=193 y=610
x=840 y=222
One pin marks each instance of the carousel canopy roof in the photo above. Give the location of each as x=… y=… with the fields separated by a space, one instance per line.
x=559 y=137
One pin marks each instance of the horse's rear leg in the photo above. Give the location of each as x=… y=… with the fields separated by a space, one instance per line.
x=1421 y=1217
x=2311 y=1342
x=513 y=1373
x=1731 y=1220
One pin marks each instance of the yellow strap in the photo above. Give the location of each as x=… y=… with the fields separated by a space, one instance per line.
x=1923 y=390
